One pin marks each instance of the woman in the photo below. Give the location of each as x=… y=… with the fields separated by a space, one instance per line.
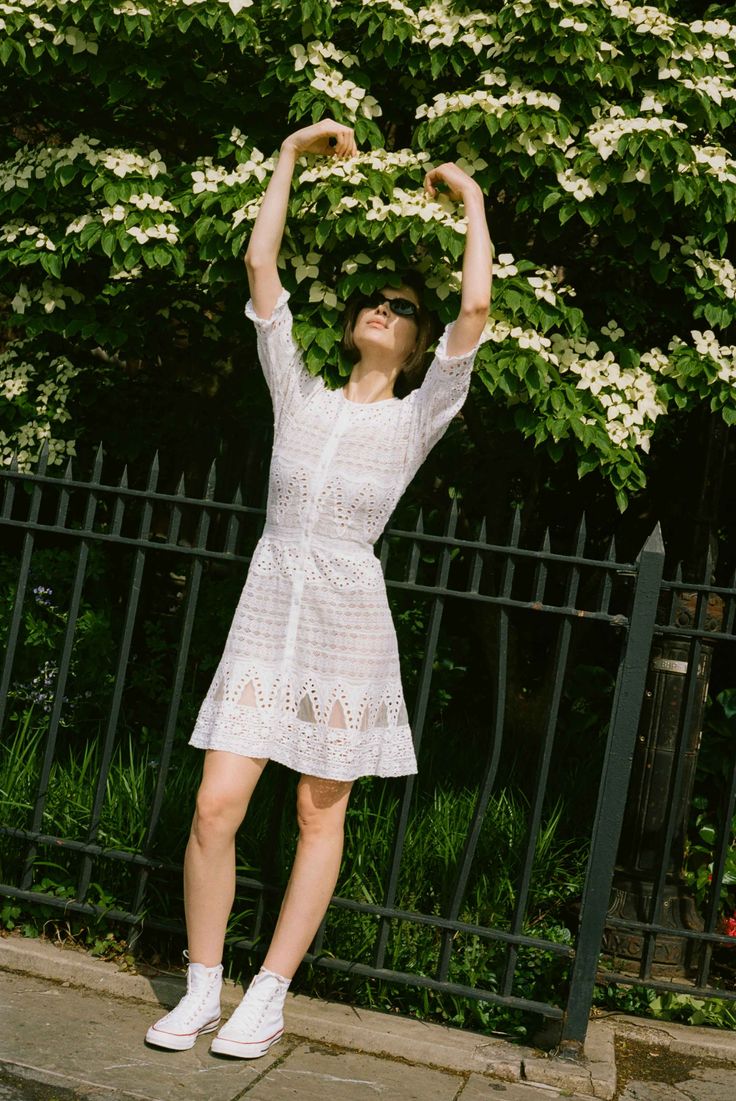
x=310 y=671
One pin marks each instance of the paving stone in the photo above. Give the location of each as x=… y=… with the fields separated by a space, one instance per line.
x=82 y=1040
x=705 y=1084
x=316 y=1073
x=18 y=1087
x=480 y=1088
x=710 y=1084
x=654 y=1091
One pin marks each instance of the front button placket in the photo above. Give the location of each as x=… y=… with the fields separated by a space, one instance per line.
x=305 y=539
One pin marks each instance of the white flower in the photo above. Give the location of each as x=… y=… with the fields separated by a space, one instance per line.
x=504 y=266
x=542 y=288
x=129 y=7
x=717 y=161
x=22 y=299
x=605 y=133
x=246 y=213
x=112 y=214
x=134 y=273
x=151 y=202
x=79 y=223
x=163 y=231
x=42 y=241
x=612 y=330
x=211 y=177
x=517 y=96
x=651 y=102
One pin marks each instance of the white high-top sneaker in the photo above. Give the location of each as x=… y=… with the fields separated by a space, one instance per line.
x=258 y=1022
x=197 y=1012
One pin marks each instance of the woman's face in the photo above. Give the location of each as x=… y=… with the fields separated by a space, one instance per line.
x=378 y=327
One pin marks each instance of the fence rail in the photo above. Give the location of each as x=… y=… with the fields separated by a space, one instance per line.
x=159 y=549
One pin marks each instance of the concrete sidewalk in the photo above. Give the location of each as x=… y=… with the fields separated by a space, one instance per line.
x=73 y=1027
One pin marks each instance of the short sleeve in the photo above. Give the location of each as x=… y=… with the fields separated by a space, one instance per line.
x=442 y=393
x=280 y=356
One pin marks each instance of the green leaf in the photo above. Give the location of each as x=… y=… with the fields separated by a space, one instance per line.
x=66 y=173
x=325 y=338
x=52 y=264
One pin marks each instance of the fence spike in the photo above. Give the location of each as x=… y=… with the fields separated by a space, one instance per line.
x=419 y=526
x=611 y=550
x=180 y=490
x=482 y=528
x=153 y=471
x=68 y=470
x=452 y=518
x=581 y=535
x=678 y=573
x=209 y=491
x=654 y=542
x=515 y=528
x=43 y=458
x=237 y=497
x=546 y=541
x=709 y=569
x=123 y=480
x=97 y=467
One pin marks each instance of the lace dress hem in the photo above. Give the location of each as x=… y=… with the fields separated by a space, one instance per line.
x=384 y=751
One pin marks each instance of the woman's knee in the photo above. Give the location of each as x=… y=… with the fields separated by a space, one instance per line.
x=217 y=814
x=321 y=805
x=223 y=796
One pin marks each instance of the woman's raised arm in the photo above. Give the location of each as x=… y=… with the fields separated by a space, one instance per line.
x=265 y=240
x=477 y=259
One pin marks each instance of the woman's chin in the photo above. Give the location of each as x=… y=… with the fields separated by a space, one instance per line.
x=373 y=337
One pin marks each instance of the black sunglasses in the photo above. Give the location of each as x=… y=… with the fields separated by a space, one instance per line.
x=402 y=307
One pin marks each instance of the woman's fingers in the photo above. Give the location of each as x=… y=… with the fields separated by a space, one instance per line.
x=344 y=141
x=328 y=138
x=449 y=174
x=429 y=180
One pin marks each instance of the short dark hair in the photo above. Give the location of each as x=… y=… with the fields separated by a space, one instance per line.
x=412 y=372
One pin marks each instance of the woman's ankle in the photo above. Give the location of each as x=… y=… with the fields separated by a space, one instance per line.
x=200 y=960
x=282 y=978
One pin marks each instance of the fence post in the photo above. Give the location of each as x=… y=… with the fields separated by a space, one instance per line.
x=613 y=790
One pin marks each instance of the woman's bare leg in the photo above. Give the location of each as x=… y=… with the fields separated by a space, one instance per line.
x=228 y=781
x=321 y=806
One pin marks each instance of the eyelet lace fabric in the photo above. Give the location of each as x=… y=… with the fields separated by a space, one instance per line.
x=310 y=672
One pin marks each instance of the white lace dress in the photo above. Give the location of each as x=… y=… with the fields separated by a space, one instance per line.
x=310 y=671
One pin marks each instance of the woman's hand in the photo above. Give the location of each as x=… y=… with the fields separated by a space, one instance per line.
x=316 y=139
x=459 y=183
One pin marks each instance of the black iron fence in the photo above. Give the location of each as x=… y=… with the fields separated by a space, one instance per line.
x=558 y=666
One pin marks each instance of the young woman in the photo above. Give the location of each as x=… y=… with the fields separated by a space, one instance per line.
x=310 y=671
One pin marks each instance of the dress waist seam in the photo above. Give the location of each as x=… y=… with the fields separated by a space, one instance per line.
x=298 y=536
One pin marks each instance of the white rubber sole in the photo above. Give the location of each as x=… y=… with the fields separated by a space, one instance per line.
x=176 y=1041
x=244 y=1049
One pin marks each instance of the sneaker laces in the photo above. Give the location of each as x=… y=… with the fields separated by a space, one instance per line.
x=257 y=1001
x=199 y=987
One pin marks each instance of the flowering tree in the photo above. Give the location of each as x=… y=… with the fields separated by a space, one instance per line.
x=142 y=134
